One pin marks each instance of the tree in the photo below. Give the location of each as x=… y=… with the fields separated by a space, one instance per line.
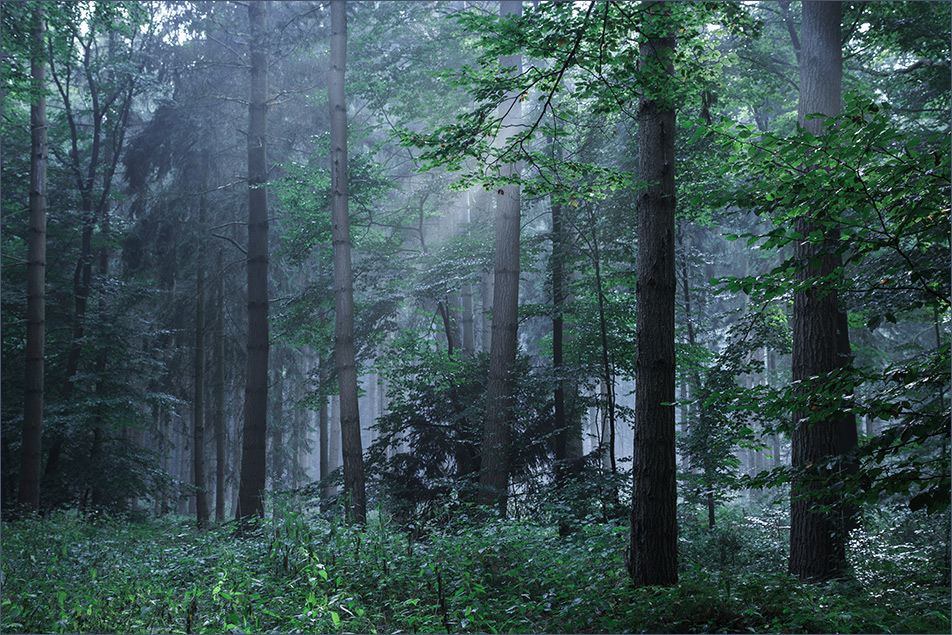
x=494 y=468
x=198 y=453
x=817 y=537
x=254 y=440
x=653 y=556
x=354 y=491
x=218 y=382
x=31 y=454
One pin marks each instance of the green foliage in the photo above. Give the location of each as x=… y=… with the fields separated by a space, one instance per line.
x=298 y=573
x=428 y=446
x=878 y=198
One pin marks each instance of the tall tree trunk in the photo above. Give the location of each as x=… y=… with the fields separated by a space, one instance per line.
x=817 y=538
x=323 y=437
x=558 y=304
x=333 y=443
x=485 y=324
x=608 y=377
x=31 y=453
x=355 y=499
x=653 y=556
x=219 y=391
x=466 y=294
x=251 y=488
x=277 y=423
x=494 y=467
x=198 y=453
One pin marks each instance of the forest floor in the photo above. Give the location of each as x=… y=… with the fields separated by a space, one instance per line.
x=64 y=574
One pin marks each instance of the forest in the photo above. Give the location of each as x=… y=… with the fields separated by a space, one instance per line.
x=476 y=316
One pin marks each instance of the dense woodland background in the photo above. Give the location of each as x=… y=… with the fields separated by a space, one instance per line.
x=476 y=316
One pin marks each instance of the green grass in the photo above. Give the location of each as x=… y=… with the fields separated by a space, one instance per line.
x=301 y=574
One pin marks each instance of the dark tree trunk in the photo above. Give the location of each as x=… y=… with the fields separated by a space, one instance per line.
x=31 y=454
x=198 y=454
x=323 y=436
x=653 y=556
x=494 y=467
x=254 y=439
x=817 y=538
x=219 y=388
x=354 y=493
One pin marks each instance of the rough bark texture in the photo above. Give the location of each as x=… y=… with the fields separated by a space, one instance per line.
x=31 y=448
x=494 y=468
x=654 y=531
x=219 y=391
x=254 y=438
x=322 y=432
x=198 y=454
x=817 y=539
x=354 y=494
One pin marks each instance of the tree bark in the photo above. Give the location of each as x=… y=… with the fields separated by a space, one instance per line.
x=354 y=493
x=466 y=295
x=219 y=388
x=254 y=440
x=653 y=556
x=31 y=454
x=494 y=467
x=277 y=426
x=198 y=454
x=323 y=437
x=817 y=538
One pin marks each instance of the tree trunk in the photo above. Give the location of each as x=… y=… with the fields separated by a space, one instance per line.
x=653 y=556
x=277 y=423
x=31 y=453
x=253 y=455
x=354 y=493
x=219 y=381
x=466 y=295
x=817 y=538
x=333 y=443
x=198 y=455
x=494 y=467
x=322 y=431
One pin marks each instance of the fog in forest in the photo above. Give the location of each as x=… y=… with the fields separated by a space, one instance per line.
x=475 y=316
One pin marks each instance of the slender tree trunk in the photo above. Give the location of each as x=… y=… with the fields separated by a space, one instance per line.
x=254 y=441
x=277 y=439
x=322 y=432
x=485 y=323
x=184 y=465
x=466 y=295
x=817 y=537
x=355 y=499
x=494 y=468
x=219 y=381
x=31 y=452
x=558 y=304
x=198 y=454
x=333 y=443
x=653 y=556
x=608 y=377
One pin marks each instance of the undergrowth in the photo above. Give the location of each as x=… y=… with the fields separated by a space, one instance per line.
x=304 y=573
